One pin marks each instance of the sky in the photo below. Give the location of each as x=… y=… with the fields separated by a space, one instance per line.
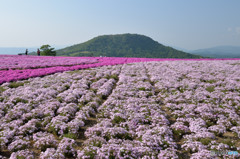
x=187 y=24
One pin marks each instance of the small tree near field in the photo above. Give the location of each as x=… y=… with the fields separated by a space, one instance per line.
x=46 y=50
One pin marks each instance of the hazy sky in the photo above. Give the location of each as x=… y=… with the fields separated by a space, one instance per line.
x=189 y=24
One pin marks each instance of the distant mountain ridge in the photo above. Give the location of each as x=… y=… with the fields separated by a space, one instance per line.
x=219 y=52
x=124 y=45
x=14 y=50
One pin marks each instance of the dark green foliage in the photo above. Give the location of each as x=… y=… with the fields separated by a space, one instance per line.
x=210 y=89
x=117 y=120
x=234 y=123
x=18 y=100
x=211 y=81
x=44 y=147
x=125 y=136
x=142 y=89
x=124 y=45
x=52 y=130
x=1 y=99
x=90 y=154
x=208 y=81
x=229 y=142
x=205 y=141
x=2 y=89
x=59 y=99
x=112 y=76
x=181 y=89
x=210 y=123
x=15 y=84
x=70 y=135
x=46 y=50
x=97 y=144
x=178 y=134
x=149 y=94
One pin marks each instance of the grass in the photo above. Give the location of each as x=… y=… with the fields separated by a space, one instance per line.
x=209 y=81
x=117 y=120
x=70 y=135
x=94 y=90
x=2 y=89
x=210 y=89
x=18 y=100
x=74 y=72
x=59 y=99
x=205 y=141
x=142 y=89
x=112 y=76
x=149 y=94
x=1 y=99
x=235 y=64
x=15 y=84
x=228 y=142
x=181 y=89
x=178 y=134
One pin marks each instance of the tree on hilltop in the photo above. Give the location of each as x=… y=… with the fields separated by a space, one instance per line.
x=46 y=50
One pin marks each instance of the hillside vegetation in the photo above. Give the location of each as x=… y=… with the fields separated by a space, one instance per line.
x=123 y=45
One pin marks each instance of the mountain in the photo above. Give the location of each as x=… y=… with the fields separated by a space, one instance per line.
x=14 y=50
x=123 y=45
x=219 y=52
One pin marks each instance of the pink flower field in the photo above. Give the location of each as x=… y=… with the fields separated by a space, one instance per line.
x=106 y=107
x=13 y=68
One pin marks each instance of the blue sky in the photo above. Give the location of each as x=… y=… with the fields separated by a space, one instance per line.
x=188 y=24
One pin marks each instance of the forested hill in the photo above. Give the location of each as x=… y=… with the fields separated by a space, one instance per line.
x=123 y=45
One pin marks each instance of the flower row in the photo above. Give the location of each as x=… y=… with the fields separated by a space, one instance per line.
x=23 y=65
x=24 y=62
x=131 y=123
x=203 y=101
x=47 y=115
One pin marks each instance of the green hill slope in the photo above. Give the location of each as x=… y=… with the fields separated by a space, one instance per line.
x=123 y=45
